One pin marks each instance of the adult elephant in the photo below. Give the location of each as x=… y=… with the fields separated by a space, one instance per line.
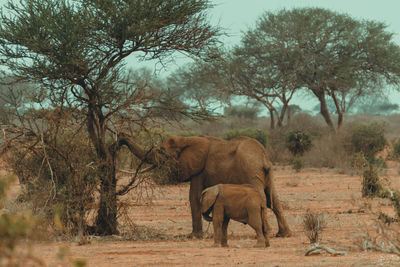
x=206 y=161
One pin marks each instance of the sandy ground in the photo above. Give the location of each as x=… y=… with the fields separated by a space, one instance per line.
x=337 y=196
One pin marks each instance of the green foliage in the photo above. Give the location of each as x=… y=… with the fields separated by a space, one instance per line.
x=242 y=112
x=343 y=63
x=298 y=142
x=396 y=149
x=189 y=133
x=75 y=52
x=257 y=134
x=371 y=185
x=368 y=139
x=297 y=163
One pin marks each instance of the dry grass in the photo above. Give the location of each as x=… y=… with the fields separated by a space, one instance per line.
x=313 y=225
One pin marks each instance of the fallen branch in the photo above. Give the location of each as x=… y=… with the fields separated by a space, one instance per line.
x=316 y=248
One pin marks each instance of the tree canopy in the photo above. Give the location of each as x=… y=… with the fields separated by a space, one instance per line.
x=75 y=52
x=328 y=53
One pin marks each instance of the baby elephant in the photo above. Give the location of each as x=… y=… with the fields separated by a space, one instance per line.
x=241 y=203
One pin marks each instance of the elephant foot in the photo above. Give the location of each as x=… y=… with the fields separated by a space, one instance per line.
x=261 y=245
x=216 y=245
x=285 y=233
x=195 y=235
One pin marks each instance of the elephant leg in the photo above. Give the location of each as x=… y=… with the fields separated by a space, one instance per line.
x=256 y=222
x=196 y=186
x=265 y=226
x=218 y=221
x=260 y=189
x=224 y=241
x=284 y=230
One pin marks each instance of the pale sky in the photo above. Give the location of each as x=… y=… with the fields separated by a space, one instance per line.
x=236 y=16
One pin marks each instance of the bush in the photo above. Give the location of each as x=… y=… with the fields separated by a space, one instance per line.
x=368 y=139
x=58 y=178
x=328 y=151
x=257 y=134
x=313 y=225
x=15 y=228
x=188 y=133
x=297 y=163
x=396 y=149
x=298 y=142
x=371 y=185
x=242 y=112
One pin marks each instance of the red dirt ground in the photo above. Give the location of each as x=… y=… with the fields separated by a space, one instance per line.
x=337 y=196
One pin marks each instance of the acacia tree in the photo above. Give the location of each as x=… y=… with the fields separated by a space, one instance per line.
x=251 y=75
x=76 y=51
x=196 y=83
x=330 y=54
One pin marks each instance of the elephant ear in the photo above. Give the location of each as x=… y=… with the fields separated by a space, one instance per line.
x=192 y=157
x=208 y=198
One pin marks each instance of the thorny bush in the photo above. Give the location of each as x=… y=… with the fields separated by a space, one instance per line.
x=58 y=178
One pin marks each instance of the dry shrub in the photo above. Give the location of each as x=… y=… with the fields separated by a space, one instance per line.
x=368 y=139
x=257 y=134
x=371 y=184
x=301 y=124
x=131 y=231
x=396 y=149
x=58 y=179
x=329 y=151
x=276 y=147
x=313 y=225
x=17 y=231
x=383 y=234
x=167 y=173
x=297 y=164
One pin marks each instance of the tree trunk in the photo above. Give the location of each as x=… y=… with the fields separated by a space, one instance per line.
x=289 y=116
x=339 y=110
x=340 y=121
x=272 y=120
x=281 y=117
x=319 y=93
x=106 y=221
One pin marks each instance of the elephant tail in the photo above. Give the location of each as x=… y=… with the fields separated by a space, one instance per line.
x=207 y=201
x=269 y=186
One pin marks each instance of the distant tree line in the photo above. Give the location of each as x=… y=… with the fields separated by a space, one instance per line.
x=335 y=58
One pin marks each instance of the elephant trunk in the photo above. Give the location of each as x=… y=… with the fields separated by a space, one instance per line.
x=206 y=215
x=150 y=157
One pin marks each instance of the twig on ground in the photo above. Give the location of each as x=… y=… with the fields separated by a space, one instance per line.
x=316 y=248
